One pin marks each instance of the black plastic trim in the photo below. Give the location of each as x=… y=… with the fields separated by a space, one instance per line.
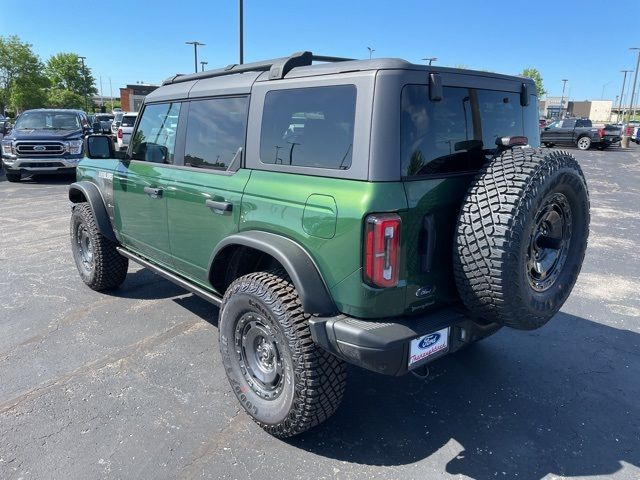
x=201 y=292
x=304 y=273
x=92 y=195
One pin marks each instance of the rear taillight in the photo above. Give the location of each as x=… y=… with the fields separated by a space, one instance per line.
x=119 y=133
x=601 y=132
x=382 y=250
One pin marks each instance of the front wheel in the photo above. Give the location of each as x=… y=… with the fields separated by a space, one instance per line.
x=283 y=380
x=13 y=177
x=584 y=143
x=100 y=265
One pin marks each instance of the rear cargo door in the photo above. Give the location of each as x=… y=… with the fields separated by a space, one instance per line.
x=443 y=145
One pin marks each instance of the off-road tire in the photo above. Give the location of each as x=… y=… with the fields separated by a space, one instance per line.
x=583 y=143
x=494 y=232
x=13 y=177
x=313 y=380
x=106 y=269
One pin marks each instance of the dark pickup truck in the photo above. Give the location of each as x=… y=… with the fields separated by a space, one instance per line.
x=579 y=132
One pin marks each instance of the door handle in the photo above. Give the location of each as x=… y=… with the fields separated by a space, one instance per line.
x=219 y=207
x=153 y=192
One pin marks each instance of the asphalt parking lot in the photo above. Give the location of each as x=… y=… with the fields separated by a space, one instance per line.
x=130 y=385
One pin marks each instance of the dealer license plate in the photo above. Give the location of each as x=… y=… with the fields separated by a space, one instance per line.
x=429 y=346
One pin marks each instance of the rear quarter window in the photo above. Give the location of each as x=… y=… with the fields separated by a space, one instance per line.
x=309 y=127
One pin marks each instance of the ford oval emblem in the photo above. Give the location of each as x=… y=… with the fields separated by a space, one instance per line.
x=429 y=340
x=39 y=148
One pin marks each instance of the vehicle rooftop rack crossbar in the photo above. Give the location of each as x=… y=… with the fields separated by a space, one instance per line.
x=277 y=67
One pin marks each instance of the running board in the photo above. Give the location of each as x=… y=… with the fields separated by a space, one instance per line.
x=201 y=292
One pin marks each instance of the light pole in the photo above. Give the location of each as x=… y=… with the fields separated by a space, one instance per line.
x=241 y=18
x=603 y=87
x=84 y=83
x=195 y=52
x=202 y=64
x=633 y=89
x=624 y=81
x=371 y=50
x=430 y=59
x=564 y=84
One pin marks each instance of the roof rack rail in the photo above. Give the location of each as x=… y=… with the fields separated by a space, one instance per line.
x=277 y=67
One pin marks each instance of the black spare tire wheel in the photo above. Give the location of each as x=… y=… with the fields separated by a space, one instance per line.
x=283 y=380
x=521 y=237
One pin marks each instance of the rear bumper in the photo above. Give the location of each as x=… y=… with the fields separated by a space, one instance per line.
x=383 y=345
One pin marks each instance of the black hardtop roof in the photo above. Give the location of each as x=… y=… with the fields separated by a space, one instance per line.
x=299 y=64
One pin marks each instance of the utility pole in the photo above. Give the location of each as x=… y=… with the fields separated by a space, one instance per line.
x=371 y=50
x=430 y=59
x=633 y=89
x=603 y=87
x=84 y=84
x=202 y=64
x=195 y=44
x=241 y=18
x=564 y=84
x=110 y=93
x=101 y=97
x=624 y=81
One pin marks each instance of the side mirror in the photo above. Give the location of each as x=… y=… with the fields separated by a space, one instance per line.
x=97 y=127
x=99 y=147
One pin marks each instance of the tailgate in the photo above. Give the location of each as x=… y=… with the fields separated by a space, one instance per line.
x=428 y=228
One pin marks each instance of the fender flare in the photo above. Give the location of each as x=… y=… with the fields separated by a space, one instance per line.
x=302 y=270
x=85 y=190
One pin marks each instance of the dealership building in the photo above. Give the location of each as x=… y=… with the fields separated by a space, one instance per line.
x=132 y=96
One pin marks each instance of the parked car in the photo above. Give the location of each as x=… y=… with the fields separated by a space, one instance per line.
x=44 y=141
x=579 y=132
x=105 y=120
x=117 y=119
x=350 y=211
x=123 y=135
x=4 y=124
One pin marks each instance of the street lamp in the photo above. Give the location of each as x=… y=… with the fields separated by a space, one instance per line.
x=603 y=87
x=371 y=50
x=564 y=84
x=430 y=59
x=84 y=86
x=624 y=81
x=241 y=29
x=195 y=52
x=202 y=64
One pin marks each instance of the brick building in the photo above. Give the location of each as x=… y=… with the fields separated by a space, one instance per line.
x=131 y=96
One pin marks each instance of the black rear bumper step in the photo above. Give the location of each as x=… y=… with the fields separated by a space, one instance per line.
x=383 y=345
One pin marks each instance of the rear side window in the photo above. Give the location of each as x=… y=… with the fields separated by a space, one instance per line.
x=215 y=132
x=309 y=127
x=452 y=135
x=154 y=139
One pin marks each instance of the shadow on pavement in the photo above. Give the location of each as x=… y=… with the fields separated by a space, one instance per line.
x=561 y=400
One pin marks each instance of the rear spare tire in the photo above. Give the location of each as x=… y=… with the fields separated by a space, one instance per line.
x=521 y=237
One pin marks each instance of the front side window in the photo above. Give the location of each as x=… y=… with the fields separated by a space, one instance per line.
x=154 y=139
x=309 y=127
x=215 y=132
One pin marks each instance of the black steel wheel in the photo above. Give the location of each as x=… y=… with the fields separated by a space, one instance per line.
x=284 y=381
x=99 y=264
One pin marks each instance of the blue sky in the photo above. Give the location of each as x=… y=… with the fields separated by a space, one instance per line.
x=144 y=41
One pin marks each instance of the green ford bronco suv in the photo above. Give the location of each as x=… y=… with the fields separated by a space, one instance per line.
x=374 y=212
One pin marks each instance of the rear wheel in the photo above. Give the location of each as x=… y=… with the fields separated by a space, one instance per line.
x=283 y=380
x=13 y=177
x=521 y=237
x=584 y=143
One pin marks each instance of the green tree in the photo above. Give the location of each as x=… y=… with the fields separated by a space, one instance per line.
x=62 y=98
x=66 y=72
x=534 y=74
x=22 y=83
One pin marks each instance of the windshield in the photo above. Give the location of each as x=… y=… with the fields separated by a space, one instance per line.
x=128 y=121
x=48 y=121
x=118 y=117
